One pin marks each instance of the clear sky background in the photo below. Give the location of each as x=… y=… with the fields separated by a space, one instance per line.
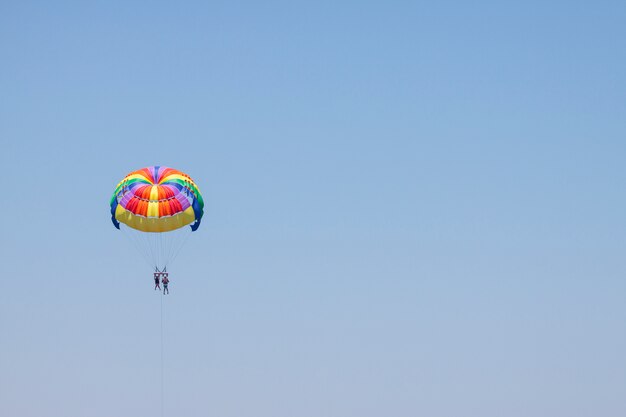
x=412 y=208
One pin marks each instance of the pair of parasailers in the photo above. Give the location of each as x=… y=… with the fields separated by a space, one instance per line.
x=162 y=276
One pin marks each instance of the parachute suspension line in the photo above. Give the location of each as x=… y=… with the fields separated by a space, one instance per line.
x=171 y=244
x=161 y=252
x=152 y=241
x=182 y=239
x=156 y=240
x=135 y=241
x=155 y=244
x=161 y=249
x=170 y=247
x=137 y=238
x=148 y=243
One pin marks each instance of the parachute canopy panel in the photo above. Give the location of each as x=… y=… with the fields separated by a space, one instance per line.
x=157 y=199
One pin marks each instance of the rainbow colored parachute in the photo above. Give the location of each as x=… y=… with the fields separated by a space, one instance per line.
x=158 y=202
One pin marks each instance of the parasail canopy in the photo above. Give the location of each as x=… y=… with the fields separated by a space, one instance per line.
x=153 y=206
x=157 y=199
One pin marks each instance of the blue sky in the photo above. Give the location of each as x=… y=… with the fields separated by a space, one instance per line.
x=411 y=209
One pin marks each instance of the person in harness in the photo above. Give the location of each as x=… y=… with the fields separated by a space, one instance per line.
x=156 y=281
x=165 y=281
